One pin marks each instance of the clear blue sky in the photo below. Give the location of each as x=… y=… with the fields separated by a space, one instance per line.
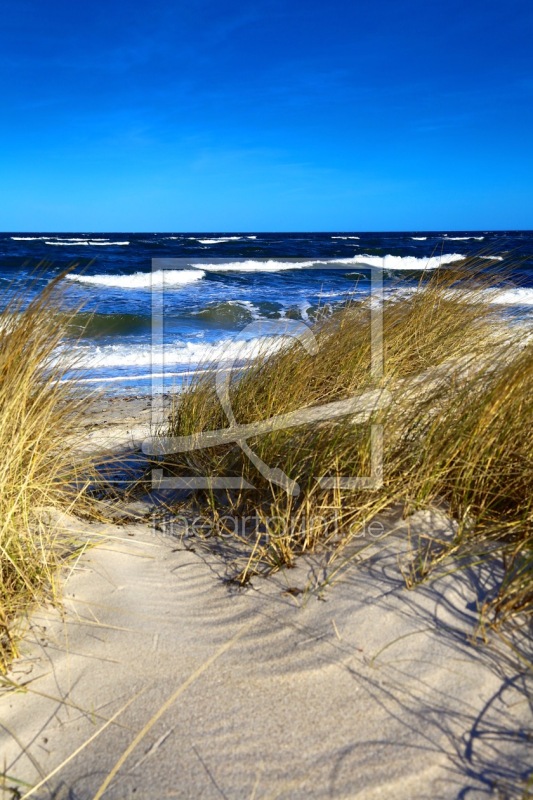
x=271 y=115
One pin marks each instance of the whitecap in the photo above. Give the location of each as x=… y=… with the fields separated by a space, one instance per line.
x=55 y=238
x=257 y=266
x=215 y=240
x=147 y=355
x=465 y=238
x=402 y=262
x=85 y=242
x=58 y=238
x=145 y=376
x=142 y=280
x=514 y=297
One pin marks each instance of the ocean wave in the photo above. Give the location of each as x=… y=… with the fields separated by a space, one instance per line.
x=215 y=240
x=93 y=325
x=465 y=238
x=56 y=238
x=231 y=312
x=345 y=237
x=189 y=353
x=514 y=297
x=142 y=280
x=269 y=265
x=390 y=262
x=85 y=242
x=419 y=238
x=142 y=377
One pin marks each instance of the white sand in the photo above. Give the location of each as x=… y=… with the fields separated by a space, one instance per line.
x=367 y=690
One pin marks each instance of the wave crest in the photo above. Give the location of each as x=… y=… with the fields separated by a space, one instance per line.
x=142 y=280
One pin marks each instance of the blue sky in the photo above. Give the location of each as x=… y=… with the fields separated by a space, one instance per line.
x=218 y=116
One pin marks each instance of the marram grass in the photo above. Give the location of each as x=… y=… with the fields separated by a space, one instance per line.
x=457 y=435
x=39 y=413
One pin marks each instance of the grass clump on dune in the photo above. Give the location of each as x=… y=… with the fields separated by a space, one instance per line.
x=38 y=418
x=456 y=431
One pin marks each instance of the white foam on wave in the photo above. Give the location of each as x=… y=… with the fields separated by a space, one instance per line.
x=182 y=277
x=85 y=242
x=216 y=240
x=345 y=237
x=384 y=262
x=402 y=262
x=518 y=296
x=56 y=239
x=142 y=377
x=244 y=304
x=465 y=238
x=101 y=243
x=142 y=280
x=514 y=297
x=256 y=266
x=419 y=238
x=189 y=353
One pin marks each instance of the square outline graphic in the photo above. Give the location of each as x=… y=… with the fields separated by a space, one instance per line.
x=370 y=482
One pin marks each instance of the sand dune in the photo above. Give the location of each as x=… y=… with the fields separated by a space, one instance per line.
x=363 y=689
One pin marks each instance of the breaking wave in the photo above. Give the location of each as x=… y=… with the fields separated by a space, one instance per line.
x=189 y=353
x=269 y=265
x=142 y=280
x=86 y=242
x=389 y=262
x=514 y=297
x=216 y=240
x=465 y=238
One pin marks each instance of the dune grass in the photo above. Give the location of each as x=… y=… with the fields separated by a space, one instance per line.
x=38 y=419
x=456 y=435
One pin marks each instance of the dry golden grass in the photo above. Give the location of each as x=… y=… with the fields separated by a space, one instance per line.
x=459 y=437
x=38 y=413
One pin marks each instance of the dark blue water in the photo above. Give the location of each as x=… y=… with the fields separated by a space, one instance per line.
x=210 y=287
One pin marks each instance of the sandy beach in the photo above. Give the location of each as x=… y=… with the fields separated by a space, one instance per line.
x=160 y=679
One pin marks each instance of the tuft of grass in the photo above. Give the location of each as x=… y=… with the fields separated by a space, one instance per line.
x=39 y=414
x=457 y=432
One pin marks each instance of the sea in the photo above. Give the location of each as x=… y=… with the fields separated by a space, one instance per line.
x=154 y=308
